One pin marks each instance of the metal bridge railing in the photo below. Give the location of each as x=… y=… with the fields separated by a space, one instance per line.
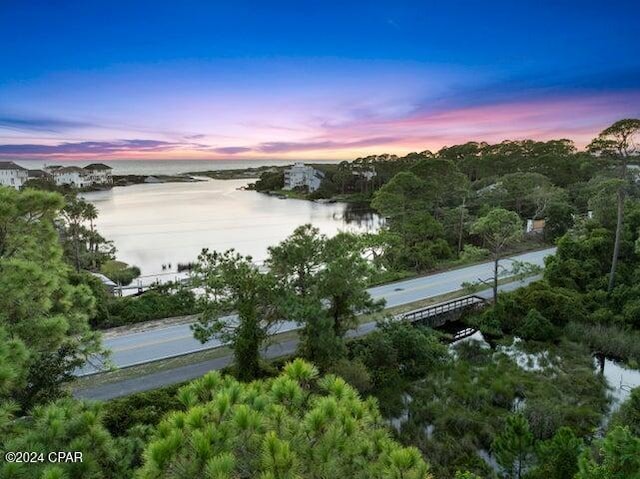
x=441 y=308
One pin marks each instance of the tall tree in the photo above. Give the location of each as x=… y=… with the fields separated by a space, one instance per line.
x=84 y=246
x=38 y=304
x=238 y=304
x=401 y=196
x=445 y=184
x=343 y=282
x=324 y=288
x=296 y=263
x=513 y=446
x=298 y=258
x=499 y=229
x=618 y=141
x=13 y=371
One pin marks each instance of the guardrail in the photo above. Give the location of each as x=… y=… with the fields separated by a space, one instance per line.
x=442 y=308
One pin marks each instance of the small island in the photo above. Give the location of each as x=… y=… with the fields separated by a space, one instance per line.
x=128 y=180
x=237 y=173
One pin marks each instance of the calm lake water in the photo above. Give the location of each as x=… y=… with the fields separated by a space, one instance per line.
x=170 y=223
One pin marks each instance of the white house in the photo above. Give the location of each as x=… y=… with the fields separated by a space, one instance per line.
x=99 y=173
x=12 y=175
x=71 y=175
x=367 y=174
x=300 y=175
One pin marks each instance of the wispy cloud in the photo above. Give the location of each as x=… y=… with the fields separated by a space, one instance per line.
x=528 y=87
x=96 y=147
x=293 y=146
x=357 y=130
x=41 y=124
x=231 y=150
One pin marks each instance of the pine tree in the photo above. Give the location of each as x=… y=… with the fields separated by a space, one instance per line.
x=617 y=456
x=293 y=426
x=557 y=458
x=513 y=446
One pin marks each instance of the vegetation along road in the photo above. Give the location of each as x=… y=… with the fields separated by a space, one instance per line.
x=141 y=347
x=279 y=348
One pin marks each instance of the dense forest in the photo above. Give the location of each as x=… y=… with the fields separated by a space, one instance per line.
x=525 y=399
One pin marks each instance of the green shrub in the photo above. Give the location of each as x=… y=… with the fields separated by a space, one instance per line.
x=120 y=272
x=154 y=304
x=354 y=372
x=269 y=181
x=535 y=326
x=471 y=253
x=629 y=413
x=141 y=409
x=399 y=350
x=295 y=425
x=511 y=315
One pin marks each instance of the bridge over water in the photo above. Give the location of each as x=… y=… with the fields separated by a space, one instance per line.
x=438 y=314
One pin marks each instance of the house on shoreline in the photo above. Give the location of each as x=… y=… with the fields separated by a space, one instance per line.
x=69 y=175
x=301 y=176
x=99 y=173
x=95 y=174
x=13 y=175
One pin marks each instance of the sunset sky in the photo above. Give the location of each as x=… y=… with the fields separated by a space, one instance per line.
x=308 y=79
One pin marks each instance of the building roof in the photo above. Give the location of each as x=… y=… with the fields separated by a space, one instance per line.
x=69 y=169
x=38 y=174
x=97 y=166
x=10 y=165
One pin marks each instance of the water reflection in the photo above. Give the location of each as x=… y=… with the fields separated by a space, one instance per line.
x=170 y=223
x=362 y=216
x=620 y=380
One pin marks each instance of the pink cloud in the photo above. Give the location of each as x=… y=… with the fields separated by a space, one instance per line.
x=578 y=117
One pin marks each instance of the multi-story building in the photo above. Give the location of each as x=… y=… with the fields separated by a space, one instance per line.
x=12 y=175
x=99 y=173
x=71 y=175
x=301 y=175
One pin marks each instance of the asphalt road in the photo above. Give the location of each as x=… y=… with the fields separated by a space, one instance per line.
x=192 y=371
x=179 y=340
x=133 y=348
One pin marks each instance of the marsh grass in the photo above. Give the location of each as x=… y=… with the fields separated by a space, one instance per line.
x=613 y=341
x=460 y=408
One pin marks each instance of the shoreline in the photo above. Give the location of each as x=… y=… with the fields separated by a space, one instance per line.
x=129 y=180
x=251 y=173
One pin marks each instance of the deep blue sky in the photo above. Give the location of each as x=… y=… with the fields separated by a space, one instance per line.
x=105 y=71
